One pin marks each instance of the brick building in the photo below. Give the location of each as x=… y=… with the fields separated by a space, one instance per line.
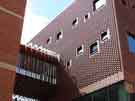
x=96 y=40
x=11 y=21
x=35 y=74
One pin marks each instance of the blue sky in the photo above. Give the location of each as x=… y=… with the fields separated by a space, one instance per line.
x=49 y=8
x=38 y=14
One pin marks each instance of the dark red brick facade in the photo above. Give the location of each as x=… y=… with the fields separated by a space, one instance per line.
x=113 y=62
x=125 y=23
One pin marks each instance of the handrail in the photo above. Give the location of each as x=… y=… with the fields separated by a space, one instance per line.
x=37 y=65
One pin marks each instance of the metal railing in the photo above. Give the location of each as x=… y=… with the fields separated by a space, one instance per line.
x=37 y=65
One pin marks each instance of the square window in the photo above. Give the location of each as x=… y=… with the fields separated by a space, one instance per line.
x=86 y=17
x=94 y=48
x=105 y=35
x=59 y=35
x=69 y=63
x=131 y=43
x=49 y=40
x=75 y=22
x=98 y=4
x=80 y=50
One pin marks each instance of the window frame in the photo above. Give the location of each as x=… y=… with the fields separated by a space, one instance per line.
x=70 y=63
x=89 y=15
x=98 y=48
x=60 y=36
x=49 y=40
x=131 y=49
x=76 y=23
x=107 y=37
x=101 y=6
x=80 y=50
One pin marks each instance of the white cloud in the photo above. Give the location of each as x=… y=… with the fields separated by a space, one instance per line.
x=32 y=24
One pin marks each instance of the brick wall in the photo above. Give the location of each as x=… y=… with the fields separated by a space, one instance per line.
x=86 y=69
x=11 y=22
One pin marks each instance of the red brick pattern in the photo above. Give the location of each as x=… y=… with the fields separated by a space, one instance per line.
x=6 y=84
x=10 y=33
x=17 y=6
x=85 y=69
x=125 y=17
